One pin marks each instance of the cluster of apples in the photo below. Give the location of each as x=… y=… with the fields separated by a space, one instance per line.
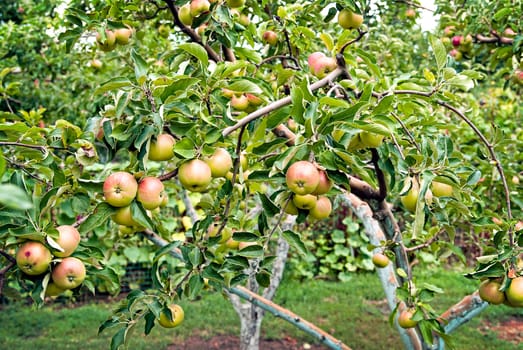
x=308 y=184
x=489 y=291
x=438 y=189
x=458 y=45
x=242 y=101
x=108 y=41
x=34 y=258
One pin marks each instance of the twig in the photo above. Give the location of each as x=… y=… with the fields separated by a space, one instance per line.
x=423 y=245
x=280 y=103
x=284 y=58
x=494 y=39
x=361 y=34
x=42 y=149
x=5 y=269
x=379 y=175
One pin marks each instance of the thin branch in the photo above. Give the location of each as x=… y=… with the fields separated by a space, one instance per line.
x=361 y=34
x=280 y=103
x=5 y=269
x=283 y=58
x=41 y=148
x=407 y=131
x=379 y=175
x=494 y=39
x=423 y=245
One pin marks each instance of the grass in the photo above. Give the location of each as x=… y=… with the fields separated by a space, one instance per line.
x=354 y=312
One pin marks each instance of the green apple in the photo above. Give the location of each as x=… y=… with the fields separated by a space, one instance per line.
x=162 y=148
x=195 y=175
x=174 y=319
x=305 y=201
x=380 y=260
x=405 y=319
x=220 y=162
x=123 y=216
x=440 y=189
x=185 y=14
x=349 y=20
x=199 y=6
x=240 y=103
x=322 y=209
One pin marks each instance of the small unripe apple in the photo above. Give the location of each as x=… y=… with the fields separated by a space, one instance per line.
x=456 y=54
x=449 y=30
x=410 y=200
x=240 y=103
x=107 y=44
x=122 y=35
x=410 y=13
x=96 y=64
x=270 y=37
x=177 y=316
x=185 y=14
x=164 y=30
x=405 y=319
x=199 y=6
x=349 y=20
x=380 y=260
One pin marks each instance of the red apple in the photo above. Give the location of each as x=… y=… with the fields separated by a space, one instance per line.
x=456 y=40
x=302 y=177
x=122 y=35
x=150 y=192
x=322 y=209
x=270 y=37
x=120 y=189
x=195 y=175
x=69 y=273
x=68 y=239
x=33 y=258
x=324 y=185
x=162 y=148
x=220 y=162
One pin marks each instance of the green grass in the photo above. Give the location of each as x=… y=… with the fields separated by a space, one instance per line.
x=354 y=312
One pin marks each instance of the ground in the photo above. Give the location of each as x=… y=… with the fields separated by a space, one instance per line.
x=510 y=329
x=224 y=342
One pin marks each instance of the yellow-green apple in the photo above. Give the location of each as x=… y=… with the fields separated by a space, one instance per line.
x=225 y=235
x=235 y=3
x=239 y=103
x=150 y=192
x=456 y=54
x=370 y=139
x=120 y=189
x=228 y=93
x=68 y=239
x=170 y=321
x=405 y=319
x=324 y=185
x=162 y=148
x=108 y=43
x=220 y=162
x=254 y=100
x=123 y=216
x=195 y=175
x=302 y=177
x=96 y=64
x=69 y=273
x=514 y=292
x=380 y=260
x=489 y=292
x=33 y=258
x=449 y=31
x=305 y=201
x=52 y=290
x=232 y=244
x=243 y=245
x=122 y=35
x=349 y=20
x=164 y=30
x=185 y=14
x=440 y=189
x=291 y=208
x=199 y=6
x=270 y=37
x=322 y=209
x=410 y=200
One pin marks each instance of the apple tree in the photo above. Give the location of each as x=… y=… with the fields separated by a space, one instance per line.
x=204 y=132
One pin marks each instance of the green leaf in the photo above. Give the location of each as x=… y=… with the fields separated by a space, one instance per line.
x=118 y=339
x=140 y=66
x=113 y=84
x=245 y=237
x=140 y=216
x=245 y=86
x=149 y=322
x=185 y=148
x=98 y=217
x=197 y=51
x=13 y=197
x=252 y=251
x=440 y=53
x=113 y=321
x=270 y=208
x=295 y=240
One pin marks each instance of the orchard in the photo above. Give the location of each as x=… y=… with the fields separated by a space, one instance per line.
x=210 y=135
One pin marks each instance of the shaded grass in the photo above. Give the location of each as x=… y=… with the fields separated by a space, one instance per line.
x=354 y=311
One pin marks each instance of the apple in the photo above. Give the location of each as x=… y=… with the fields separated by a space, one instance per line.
x=170 y=321
x=449 y=30
x=254 y=100
x=124 y=231
x=320 y=65
x=302 y=177
x=243 y=245
x=185 y=14
x=52 y=290
x=96 y=64
x=509 y=32
x=199 y=6
x=68 y=239
x=410 y=200
x=370 y=139
x=240 y=103
x=410 y=13
x=122 y=35
x=33 y=258
x=225 y=235
x=322 y=209
x=235 y=3
x=291 y=208
x=514 y=292
x=270 y=37
x=164 y=30
x=380 y=260
x=244 y=20
x=69 y=273
x=232 y=244
x=440 y=189
x=518 y=76
x=220 y=162
x=123 y=216
x=456 y=40
x=107 y=44
x=120 y=189
x=405 y=319
x=349 y=20
x=162 y=148
x=228 y=93
x=195 y=175
x=456 y=54
x=305 y=201
x=324 y=185
x=489 y=292
x=150 y=192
